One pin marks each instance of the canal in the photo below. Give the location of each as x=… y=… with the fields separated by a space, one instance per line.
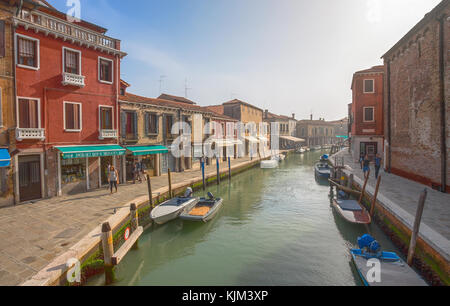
x=276 y=228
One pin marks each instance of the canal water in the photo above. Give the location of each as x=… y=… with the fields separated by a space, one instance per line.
x=276 y=228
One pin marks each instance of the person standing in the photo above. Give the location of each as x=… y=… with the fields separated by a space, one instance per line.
x=361 y=160
x=366 y=168
x=377 y=165
x=113 y=178
x=136 y=172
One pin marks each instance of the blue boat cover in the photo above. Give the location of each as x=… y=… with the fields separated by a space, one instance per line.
x=5 y=158
x=350 y=205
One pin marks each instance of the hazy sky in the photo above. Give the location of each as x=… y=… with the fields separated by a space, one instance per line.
x=288 y=56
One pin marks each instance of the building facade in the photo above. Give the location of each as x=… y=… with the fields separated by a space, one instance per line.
x=417 y=99
x=287 y=130
x=68 y=77
x=316 y=132
x=367 y=133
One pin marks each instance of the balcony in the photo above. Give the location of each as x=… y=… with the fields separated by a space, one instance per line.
x=73 y=79
x=108 y=134
x=30 y=133
x=59 y=28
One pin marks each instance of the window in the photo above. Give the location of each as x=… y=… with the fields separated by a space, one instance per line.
x=122 y=92
x=129 y=125
x=2 y=39
x=151 y=124
x=72 y=117
x=106 y=118
x=27 y=52
x=369 y=114
x=105 y=70
x=369 y=86
x=169 y=123
x=72 y=61
x=28 y=113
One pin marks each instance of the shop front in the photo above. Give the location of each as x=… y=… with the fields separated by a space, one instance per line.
x=82 y=168
x=149 y=156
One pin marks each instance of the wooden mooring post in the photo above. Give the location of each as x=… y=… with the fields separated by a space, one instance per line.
x=229 y=168
x=134 y=221
x=218 y=171
x=351 y=179
x=150 y=193
x=415 y=233
x=170 y=183
x=108 y=252
x=375 y=196
x=202 y=164
x=364 y=188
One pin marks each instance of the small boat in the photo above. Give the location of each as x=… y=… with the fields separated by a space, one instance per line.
x=393 y=270
x=171 y=209
x=204 y=210
x=279 y=157
x=351 y=210
x=316 y=148
x=322 y=170
x=269 y=164
x=300 y=151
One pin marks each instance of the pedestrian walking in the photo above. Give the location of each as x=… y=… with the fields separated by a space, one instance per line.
x=137 y=172
x=113 y=178
x=378 y=160
x=361 y=160
x=366 y=167
x=142 y=169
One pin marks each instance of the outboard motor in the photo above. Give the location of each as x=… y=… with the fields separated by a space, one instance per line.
x=188 y=192
x=210 y=196
x=369 y=244
x=342 y=195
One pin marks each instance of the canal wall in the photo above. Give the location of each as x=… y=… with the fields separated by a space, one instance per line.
x=89 y=251
x=430 y=259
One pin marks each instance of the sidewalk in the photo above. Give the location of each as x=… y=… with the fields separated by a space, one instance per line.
x=33 y=235
x=401 y=197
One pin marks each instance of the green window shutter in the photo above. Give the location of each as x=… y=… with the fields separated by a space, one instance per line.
x=123 y=124
x=147 y=123
x=135 y=119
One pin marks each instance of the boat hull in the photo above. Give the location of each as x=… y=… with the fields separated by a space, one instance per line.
x=353 y=216
x=205 y=218
x=166 y=212
x=269 y=164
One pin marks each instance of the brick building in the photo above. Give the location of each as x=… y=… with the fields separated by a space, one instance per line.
x=67 y=76
x=416 y=101
x=367 y=130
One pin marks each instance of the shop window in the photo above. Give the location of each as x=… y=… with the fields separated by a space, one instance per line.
x=73 y=170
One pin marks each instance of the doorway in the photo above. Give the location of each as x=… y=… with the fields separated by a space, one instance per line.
x=30 y=178
x=369 y=148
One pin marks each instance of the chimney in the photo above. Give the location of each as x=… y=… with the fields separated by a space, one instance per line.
x=293 y=116
x=311 y=117
x=266 y=114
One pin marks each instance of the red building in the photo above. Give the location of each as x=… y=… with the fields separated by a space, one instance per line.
x=367 y=128
x=68 y=77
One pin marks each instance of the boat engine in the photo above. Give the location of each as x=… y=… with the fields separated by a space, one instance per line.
x=188 y=192
x=369 y=244
x=210 y=196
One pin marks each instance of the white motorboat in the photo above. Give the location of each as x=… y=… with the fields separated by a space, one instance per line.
x=171 y=209
x=269 y=164
x=204 y=210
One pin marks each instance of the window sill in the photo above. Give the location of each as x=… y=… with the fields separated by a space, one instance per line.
x=28 y=67
x=72 y=131
x=106 y=82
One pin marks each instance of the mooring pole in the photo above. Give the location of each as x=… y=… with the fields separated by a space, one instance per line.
x=351 y=180
x=170 y=184
x=150 y=194
x=364 y=188
x=218 y=171
x=134 y=221
x=202 y=163
x=229 y=168
x=108 y=252
x=375 y=196
x=415 y=233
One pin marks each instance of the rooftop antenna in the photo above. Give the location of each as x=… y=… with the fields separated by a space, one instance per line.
x=161 y=80
x=186 y=88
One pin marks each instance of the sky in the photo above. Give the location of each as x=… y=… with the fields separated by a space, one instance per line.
x=287 y=56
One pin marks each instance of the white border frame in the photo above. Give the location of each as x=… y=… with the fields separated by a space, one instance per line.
x=364 y=114
x=364 y=86
x=64 y=62
x=38 y=55
x=64 y=117
x=100 y=117
x=112 y=70
x=17 y=110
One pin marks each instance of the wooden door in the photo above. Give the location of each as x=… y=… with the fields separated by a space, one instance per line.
x=30 y=178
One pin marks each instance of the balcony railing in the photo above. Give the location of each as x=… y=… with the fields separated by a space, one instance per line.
x=68 y=31
x=108 y=134
x=30 y=133
x=73 y=79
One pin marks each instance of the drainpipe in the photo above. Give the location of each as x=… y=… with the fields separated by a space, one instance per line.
x=16 y=158
x=389 y=112
x=443 y=102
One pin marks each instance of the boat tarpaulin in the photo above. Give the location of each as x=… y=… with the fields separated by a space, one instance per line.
x=148 y=150
x=5 y=158
x=293 y=139
x=91 y=151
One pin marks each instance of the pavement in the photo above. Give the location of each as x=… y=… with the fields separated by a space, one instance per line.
x=33 y=235
x=401 y=197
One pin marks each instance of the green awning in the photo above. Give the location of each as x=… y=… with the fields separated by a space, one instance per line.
x=147 y=150
x=91 y=151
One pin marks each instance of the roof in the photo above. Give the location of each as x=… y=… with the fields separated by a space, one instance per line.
x=373 y=70
x=432 y=15
x=219 y=109
x=175 y=99
x=315 y=122
x=236 y=101
x=122 y=82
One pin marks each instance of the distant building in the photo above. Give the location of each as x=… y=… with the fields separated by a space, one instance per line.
x=340 y=129
x=417 y=95
x=316 y=132
x=287 y=130
x=367 y=130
